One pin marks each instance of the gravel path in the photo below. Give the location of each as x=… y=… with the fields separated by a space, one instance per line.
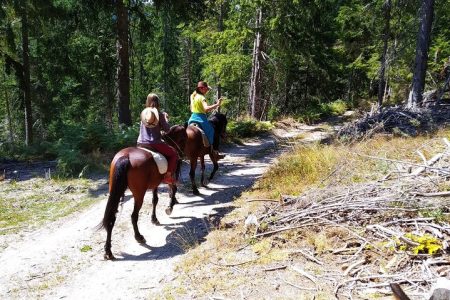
x=64 y=260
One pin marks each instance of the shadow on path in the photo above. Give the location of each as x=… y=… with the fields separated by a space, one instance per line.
x=224 y=188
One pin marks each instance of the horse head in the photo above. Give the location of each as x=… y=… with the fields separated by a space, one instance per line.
x=176 y=137
x=219 y=122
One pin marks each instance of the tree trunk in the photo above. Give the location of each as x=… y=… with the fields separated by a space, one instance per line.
x=306 y=94
x=423 y=43
x=188 y=70
x=386 y=34
x=123 y=68
x=254 y=97
x=350 y=86
x=8 y=112
x=26 y=77
x=220 y=29
x=286 y=91
x=165 y=18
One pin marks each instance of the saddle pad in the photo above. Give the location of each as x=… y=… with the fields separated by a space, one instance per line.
x=204 y=137
x=160 y=160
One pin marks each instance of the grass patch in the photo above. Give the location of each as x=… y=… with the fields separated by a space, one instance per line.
x=306 y=166
x=318 y=112
x=438 y=214
x=296 y=170
x=86 y=248
x=32 y=203
x=184 y=239
x=246 y=128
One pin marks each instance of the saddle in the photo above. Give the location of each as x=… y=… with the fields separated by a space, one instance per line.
x=161 y=160
x=204 y=137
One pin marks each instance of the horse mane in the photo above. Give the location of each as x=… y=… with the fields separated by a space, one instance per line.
x=172 y=128
x=218 y=120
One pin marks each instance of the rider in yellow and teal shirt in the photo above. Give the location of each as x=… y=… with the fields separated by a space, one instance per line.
x=199 y=108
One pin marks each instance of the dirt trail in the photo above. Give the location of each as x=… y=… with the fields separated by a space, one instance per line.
x=49 y=263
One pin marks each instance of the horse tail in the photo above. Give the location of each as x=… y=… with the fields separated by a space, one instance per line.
x=118 y=185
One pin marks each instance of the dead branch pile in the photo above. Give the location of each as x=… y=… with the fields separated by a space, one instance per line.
x=399 y=227
x=396 y=120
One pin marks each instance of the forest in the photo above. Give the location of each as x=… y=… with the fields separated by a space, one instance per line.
x=74 y=74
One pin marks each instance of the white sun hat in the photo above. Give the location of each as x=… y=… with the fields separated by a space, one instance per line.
x=150 y=117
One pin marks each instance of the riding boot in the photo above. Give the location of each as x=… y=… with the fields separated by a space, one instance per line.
x=216 y=154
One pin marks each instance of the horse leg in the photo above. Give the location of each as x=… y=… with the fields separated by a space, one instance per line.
x=202 y=166
x=192 y=176
x=215 y=168
x=173 y=200
x=109 y=227
x=138 y=200
x=154 y=203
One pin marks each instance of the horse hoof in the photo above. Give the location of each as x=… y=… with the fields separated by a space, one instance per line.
x=196 y=192
x=169 y=211
x=155 y=222
x=109 y=256
x=140 y=239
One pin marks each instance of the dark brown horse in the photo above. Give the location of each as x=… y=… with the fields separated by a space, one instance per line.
x=136 y=169
x=195 y=149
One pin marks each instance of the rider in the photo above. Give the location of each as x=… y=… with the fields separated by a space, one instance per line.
x=152 y=122
x=199 y=108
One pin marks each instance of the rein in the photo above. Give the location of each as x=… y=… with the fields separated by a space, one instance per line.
x=180 y=153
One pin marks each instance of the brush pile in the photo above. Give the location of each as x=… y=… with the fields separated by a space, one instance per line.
x=398 y=229
x=396 y=120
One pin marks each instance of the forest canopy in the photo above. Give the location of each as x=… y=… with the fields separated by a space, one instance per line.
x=82 y=69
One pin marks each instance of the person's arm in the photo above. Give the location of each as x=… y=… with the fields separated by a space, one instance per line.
x=164 y=121
x=208 y=108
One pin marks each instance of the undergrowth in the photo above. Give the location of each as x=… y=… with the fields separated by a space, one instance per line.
x=82 y=150
x=77 y=150
x=246 y=128
x=321 y=111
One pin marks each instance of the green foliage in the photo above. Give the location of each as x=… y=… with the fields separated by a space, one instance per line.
x=337 y=107
x=76 y=147
x=247 y=128
x=70 y=161
x=310 y=115
x=78 y=143
x=437 y=214
x=318 y=112
x=313 y=52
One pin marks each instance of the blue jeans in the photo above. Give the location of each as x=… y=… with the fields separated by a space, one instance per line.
x=202 y=120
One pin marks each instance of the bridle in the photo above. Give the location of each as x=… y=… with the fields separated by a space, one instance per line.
x=180 y=152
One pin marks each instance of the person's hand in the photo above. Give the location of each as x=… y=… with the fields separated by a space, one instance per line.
x=166 y=116
x=219 y=101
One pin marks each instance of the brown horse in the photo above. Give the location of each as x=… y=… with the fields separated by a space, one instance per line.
x=195 y=149
x=136 y=169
